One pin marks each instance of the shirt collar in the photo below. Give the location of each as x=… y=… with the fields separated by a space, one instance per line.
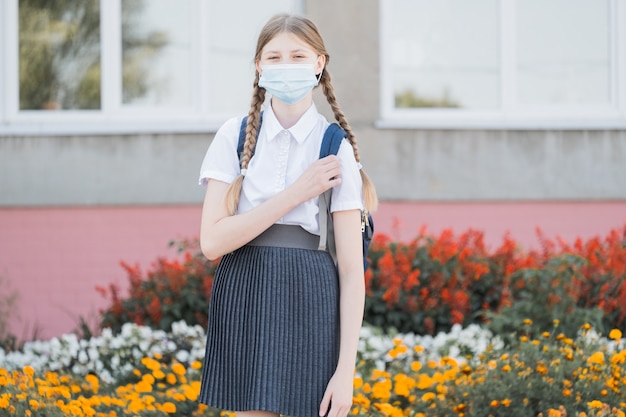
x=300 y=131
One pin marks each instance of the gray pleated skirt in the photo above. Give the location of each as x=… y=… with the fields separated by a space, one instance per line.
x=273 y=326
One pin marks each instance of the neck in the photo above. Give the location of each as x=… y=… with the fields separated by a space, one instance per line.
x=289 y=114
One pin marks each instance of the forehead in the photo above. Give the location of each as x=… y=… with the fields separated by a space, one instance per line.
x=286 y=42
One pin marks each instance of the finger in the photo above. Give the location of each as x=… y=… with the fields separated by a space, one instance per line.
x=325 y=403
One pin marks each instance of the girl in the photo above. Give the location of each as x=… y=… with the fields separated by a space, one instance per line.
x=284 y=320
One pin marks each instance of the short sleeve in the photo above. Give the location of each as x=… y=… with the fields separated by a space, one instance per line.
x=349 y=194
x=221 y=161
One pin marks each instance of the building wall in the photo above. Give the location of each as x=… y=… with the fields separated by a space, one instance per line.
x=406 y=164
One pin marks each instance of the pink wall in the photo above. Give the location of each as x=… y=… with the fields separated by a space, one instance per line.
x=54 y=257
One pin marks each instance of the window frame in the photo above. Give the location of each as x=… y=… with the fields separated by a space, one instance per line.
x=509 y=116
x=113 y=117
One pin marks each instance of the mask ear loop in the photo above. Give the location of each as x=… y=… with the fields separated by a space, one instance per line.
x=319 y=76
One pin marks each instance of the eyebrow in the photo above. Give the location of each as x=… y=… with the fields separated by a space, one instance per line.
x=293 y=51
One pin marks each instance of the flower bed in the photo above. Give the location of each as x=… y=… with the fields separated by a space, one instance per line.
x=466 y=372
x=425 y=286
x=454 y=330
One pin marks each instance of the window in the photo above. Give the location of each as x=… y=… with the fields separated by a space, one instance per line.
x=127 y=65
x=503 y=63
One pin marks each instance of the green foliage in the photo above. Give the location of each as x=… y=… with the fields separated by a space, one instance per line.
x=409 y=98
x=8 y=298
x=60 y=49
x=544 y=295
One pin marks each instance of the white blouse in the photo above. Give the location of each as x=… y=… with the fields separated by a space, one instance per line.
x=280 y=157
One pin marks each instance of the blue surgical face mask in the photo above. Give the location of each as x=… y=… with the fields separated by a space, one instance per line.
x=289 y=83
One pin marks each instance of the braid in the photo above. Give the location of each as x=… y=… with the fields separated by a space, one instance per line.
x=254 y=115
x=369 y=191
x=329 y=92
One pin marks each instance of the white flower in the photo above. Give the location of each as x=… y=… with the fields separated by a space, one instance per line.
x=182 y=356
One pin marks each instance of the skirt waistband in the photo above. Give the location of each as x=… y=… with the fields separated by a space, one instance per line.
x=287 y=236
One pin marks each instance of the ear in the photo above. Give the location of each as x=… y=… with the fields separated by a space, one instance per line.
x=320 y=64
x=257 y=64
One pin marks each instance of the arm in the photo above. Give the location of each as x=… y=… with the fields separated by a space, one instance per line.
x=347 y=226
x=221 y=233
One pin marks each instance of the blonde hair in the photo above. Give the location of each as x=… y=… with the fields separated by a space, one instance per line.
x=306 y=30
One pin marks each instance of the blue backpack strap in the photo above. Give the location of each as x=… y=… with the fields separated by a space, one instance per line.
x=242 y=133
x=332 y=140
x=242 y=136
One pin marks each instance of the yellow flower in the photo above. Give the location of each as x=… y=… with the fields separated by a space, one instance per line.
x=170 y=378
x=169 y=407
x=527 y=322
x=595 y=404
x=358 y=382
x=382 y=390
x=494 y=403
x=418 y=349
x=567 y=392
x=196 y=365
x=459 y=407
x=403 y=385
x=28 y=370
x=523 y=339
x=546 y=334
x=178 y=369
x=416 y=366
x=506 y=368
x=34 y=404
x=93 y=382
x=597 y=358
x=506 y=402
x=151 y=364
x=361 y=400
x=586 y=326
x=428 y=396
x=4 y=400
x=424 y=382
x=615 y=334
x=541 y=369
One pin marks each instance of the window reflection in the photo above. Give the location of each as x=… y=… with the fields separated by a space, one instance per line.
x=59 y=55
x=156 y=52
x=563 y=54
x=445 y=53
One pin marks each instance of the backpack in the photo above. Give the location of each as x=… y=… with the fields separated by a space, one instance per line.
x=333 y=136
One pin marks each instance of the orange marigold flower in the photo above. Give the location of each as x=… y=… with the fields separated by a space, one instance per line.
x=428 y=396
x=494 y=403
x=179 y=369
x=597 y=358
x=615 y=334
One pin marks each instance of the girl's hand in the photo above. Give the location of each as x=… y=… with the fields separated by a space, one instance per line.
x=320 y=176
x=338 y=395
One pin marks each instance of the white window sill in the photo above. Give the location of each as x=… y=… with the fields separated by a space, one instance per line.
x=500 y=124
x=106 y=128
